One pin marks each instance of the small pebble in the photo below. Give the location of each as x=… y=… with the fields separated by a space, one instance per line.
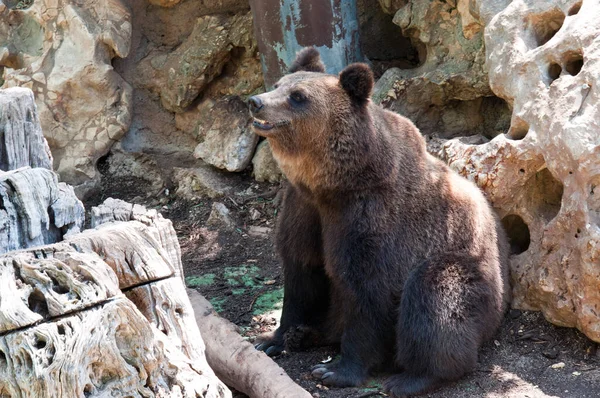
x=559 y=365
x=551 y=353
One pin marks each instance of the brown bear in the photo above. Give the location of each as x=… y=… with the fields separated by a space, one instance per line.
x=384 y=248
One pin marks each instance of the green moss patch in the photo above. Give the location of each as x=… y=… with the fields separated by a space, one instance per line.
x=201 y=280
x=268 y=301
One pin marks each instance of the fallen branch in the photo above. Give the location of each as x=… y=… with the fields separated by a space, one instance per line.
x=235 y=361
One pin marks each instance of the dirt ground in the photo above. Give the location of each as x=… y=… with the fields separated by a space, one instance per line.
x=236 y=269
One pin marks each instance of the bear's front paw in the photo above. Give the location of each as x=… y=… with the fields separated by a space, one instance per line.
x=271 y=343
x=339 y=375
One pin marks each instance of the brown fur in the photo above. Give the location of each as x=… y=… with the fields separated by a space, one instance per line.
x=384 y=247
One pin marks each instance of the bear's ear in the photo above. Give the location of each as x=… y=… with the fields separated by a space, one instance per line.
x=308 y=60
x=357 y=79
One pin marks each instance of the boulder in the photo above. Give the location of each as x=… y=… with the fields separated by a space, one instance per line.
x=220 y=216
x=228 y=141
x=543 y=175
x=264 y=165
x=194 y=183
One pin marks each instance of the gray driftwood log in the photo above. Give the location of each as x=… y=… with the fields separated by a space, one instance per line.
x=35 y=209
x=236 y=362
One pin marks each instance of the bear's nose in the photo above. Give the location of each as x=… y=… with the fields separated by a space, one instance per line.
x=255 y=104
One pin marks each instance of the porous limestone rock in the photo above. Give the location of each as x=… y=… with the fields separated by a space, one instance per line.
x=62 y=50
x=264 y=165
x=543 y=176
x=447 y=94
x=228 y=141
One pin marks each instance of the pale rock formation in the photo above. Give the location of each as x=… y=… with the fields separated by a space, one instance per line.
x=264 y=165
x=62 y=50
x=66 y=329
x=220 y=216
x=447 y=94
x=543 y=175
x=228 y=141
x=36 y=209
x=172 y=47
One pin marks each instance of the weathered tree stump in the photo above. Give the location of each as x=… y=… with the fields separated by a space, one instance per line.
x=68 y=329
x=35 y=209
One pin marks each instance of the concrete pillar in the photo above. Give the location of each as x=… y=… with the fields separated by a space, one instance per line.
x=283 y=27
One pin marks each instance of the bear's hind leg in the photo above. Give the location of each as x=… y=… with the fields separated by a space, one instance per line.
x=449 y=305
x=405 y=384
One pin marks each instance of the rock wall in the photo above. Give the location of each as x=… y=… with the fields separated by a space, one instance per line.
x=156 y=77
x=542 y=175
x=62 y=50
x=446 y=93
x=192 y=64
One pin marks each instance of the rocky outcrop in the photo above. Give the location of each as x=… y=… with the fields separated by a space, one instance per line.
x=62 y=50
x=100 y=313
x=447 y=94
x=83 y=60
x=543 y=175
x=181 y=75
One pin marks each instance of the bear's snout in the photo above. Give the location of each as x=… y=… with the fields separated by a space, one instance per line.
x=255 y=104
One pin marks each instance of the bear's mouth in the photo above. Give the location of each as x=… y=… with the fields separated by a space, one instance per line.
x=265 y=125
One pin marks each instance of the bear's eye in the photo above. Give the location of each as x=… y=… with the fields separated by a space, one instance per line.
x=297 y=97
x=276 y=86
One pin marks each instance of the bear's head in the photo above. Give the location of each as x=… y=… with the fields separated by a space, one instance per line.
x=318 y=125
